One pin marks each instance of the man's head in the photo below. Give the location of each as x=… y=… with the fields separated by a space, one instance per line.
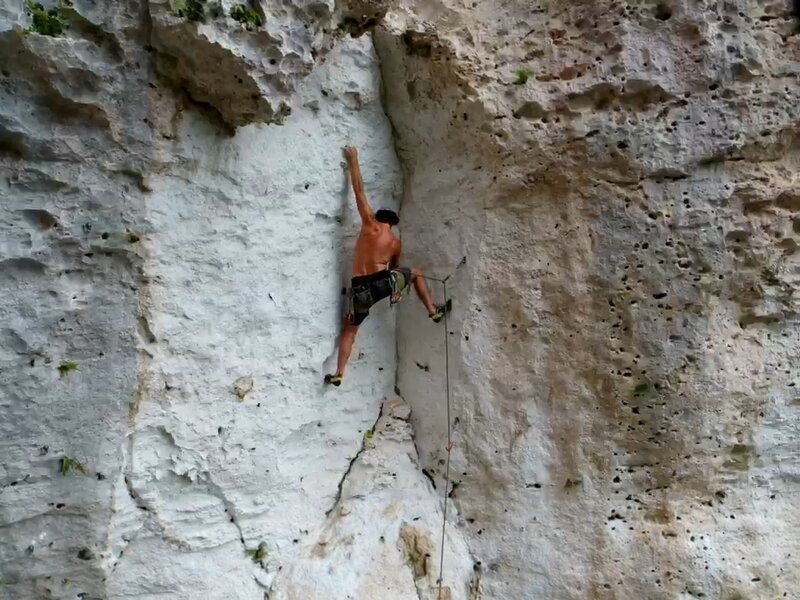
x=387 y=216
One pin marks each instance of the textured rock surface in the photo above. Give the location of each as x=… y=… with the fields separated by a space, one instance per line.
x=246 y=73
x=384 y=520
x=170 y=294
x=621 y=179
x=626 y=328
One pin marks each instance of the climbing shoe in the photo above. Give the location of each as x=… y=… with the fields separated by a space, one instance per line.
x=441 y=311
x=334 y=380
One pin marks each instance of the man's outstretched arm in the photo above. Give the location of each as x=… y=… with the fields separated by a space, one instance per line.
x=364 y=209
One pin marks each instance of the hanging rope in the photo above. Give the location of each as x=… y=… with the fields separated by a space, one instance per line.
x=449 y=435
x=449 y=422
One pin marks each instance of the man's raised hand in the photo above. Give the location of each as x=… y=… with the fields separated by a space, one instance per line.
x=364 y=209
x=350 y=153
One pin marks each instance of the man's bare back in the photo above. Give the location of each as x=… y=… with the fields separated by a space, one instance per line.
x=377 y=249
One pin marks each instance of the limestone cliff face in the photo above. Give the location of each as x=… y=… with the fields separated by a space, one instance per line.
x=177 y=228
x=626 y=333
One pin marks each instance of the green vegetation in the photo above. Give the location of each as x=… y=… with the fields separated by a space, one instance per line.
x=215 y=10
x=46 y=21
x=67 y=464
x=193 y=10
x=369 y=434
x=642 y=390
x=349 y=25
x=65 y=368
x=116 y=237
x=259 y=555
x=523 y=74
x=769 y=271
x=247 y=16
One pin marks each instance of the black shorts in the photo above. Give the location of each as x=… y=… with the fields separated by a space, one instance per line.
x=368 y=290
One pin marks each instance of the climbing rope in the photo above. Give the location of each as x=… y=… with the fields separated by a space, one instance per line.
x=449 y=422
x=449 y=435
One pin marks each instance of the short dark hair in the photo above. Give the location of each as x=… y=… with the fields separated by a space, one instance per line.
x=387 y=216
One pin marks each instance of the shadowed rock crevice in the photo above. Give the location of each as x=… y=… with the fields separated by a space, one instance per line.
x=367 y=435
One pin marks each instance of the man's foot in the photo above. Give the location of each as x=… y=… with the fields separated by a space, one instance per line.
x=333 y=379
x=441 y=311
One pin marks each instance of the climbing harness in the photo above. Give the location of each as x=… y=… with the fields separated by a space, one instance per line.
x=362 y=296
x=398 y=288
x=449 y=423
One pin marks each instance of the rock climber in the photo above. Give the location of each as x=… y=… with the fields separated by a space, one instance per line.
x=376 y=271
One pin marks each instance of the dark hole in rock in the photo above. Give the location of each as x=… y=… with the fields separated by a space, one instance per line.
x=663 y=11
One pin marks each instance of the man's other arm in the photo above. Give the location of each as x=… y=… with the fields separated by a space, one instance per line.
x=364 y=209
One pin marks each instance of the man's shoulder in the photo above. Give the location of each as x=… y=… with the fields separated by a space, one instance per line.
x=370 y=228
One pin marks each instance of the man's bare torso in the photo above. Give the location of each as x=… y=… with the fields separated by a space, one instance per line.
x=375 y=249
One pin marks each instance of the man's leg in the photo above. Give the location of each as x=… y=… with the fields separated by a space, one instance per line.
x=346 y=346
x=423 y=292
x=346 y=341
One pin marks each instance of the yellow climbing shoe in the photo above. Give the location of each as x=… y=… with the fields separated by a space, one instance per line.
x=334 y=380
x=441 y=311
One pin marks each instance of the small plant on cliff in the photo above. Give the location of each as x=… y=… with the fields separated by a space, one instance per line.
x=193 y=10
x=68 y=464
x=523 y=74
x=259 y=555
x=768 y=270
x=348 y=25
x=215 y=10
x=67 y=367
x=46 y=21
x=247 y=16
x=642 y=391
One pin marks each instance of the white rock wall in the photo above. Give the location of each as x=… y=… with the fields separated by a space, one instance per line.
x=246 y=73
x=385 y=520
x=172 y=298
x=246 y=258
x=73 y=141
x=623 y=344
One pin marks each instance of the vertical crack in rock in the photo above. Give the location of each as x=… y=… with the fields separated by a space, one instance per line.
x=420 y=554
x=396 y=127
x=217 y=491
x=475 y=590
x=353 y=460
x=404 y=169
x=138 y=502
x=397 y=550
x=139 y=505
x=230 y=509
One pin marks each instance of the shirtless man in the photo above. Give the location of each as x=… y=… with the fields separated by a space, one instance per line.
x=376 y=272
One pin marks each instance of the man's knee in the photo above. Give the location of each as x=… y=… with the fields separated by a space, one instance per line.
x=415 y=272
